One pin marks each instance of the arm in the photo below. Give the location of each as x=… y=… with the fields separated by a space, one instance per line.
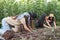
x=24 y=23
x=27 y=19
x=46 y=26
x=46 y=19
x=54 y=24
x=48 y=23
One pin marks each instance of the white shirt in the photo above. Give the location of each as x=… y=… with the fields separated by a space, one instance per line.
x=24 y=14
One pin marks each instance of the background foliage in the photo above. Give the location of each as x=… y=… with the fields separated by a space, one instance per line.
x=13 y=7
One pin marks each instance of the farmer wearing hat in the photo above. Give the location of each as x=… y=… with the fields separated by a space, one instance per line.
x=51 y=20
x=47 y=21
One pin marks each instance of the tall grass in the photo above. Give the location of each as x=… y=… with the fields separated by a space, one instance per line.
x=11 y=7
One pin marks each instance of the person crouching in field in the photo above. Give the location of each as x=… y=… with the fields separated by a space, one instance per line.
x=46 y=21
x=14 y=22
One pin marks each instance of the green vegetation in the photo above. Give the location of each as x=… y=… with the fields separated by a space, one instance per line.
x=13 y=7
x=58 y=23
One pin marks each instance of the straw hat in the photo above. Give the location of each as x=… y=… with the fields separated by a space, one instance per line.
x=51 y=15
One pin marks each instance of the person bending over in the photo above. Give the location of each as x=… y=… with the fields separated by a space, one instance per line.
x=46 y=21
x=14 y=22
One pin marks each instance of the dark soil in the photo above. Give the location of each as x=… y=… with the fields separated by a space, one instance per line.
x=38 y=34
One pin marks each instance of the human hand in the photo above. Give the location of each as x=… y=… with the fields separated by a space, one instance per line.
x=55 y=27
